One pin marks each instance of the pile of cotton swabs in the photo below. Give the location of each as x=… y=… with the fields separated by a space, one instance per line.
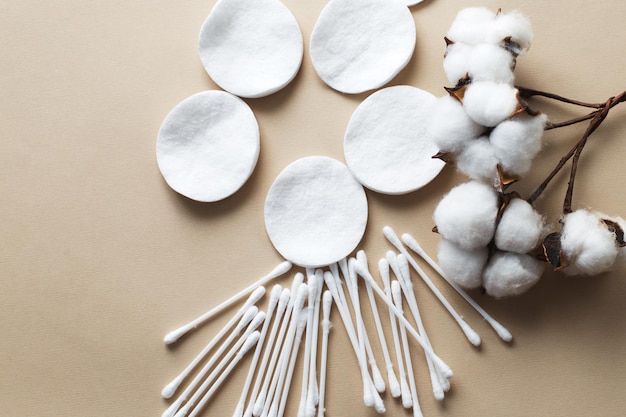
x=294 y=314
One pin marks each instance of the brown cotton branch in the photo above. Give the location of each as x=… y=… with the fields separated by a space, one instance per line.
x=529 y=92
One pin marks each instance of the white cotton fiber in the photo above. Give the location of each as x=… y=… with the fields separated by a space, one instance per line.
x=489 y=62
x=520 y=227
x=450 y=126
x=472 y=25
x=514 y=25
x=456 y=61
x=467 y=214
x=517 y=141
x=489 y=103
x=478 y=161
x=589 y=246
x=465 y=267
x=509 y=274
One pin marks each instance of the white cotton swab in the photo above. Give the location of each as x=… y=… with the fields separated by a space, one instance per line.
x=313 y=391
x=327 y=302
x=302 y=323
x=407 y=401
x=247 y=317
x=397 y=297
x=258 y=319
x=249 y=343
x=259 y=403
x=502 y=332
x=394 y=386
x=444 y=368
x=471 y=335
x=273 y=302
x=285 y=296
x=313 y=284
x=279 y=270
x=171 y=388
x=400 y=267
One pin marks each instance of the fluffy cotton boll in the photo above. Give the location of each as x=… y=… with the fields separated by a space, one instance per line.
x=456 y=61
x=467 y=215
x=472 y=25
x=478 y=161
x=450 y=127
x=517 y=141
x=513 y=26
x=489 y=103
x=587 y=243
x=520 y=227
x=509 y=274
x=463 y=266
x=489 y=62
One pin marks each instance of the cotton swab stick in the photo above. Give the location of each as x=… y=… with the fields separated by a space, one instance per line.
x=407 y=401
x=279 y=270
x=313 y=391
x=171 y=388
x=313 y=284
x=257 y=408
x=471 y=335
x=396 y=292
x=394 y=386
x=502 y=332
x=400 y=267
x=273 y=302
x=248 y=316
x=258 y=319
x=285 y=296
x=250 y=342
x=327 y=302
x=302 y=323
x=444 y=368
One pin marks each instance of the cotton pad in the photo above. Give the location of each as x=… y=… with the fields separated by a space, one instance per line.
x=387 y=146
x=251 y=48
x=357 y=46
x=208 y=146
x=315 y=212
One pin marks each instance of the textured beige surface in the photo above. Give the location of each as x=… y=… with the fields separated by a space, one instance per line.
x=99 y=258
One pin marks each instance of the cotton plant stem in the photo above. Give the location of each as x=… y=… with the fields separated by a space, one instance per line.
x=529 y=92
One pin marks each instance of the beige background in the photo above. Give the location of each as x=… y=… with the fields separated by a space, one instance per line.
x=99 y=258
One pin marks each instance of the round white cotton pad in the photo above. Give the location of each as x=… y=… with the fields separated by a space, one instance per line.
x=251 y=48
x=361 y=45
x=386 y=145
x=315 y=212
x=208 y=146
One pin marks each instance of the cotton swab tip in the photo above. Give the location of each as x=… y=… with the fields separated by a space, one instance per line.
x=501 y=331
x=394 y=385
x=275 y=294
x=407 y=400
x=412 y=244
x=281 y=268
x=171 y=388
x=174 y=335
x=391 y=236
x=379 y=382
x=247 y=317
x=327 y=302
x=471 y=335
x=250 y=342
x=256 y=295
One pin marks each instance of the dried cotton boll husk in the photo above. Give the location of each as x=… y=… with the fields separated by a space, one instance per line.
x=467 y=215
x=512 y=30
x=472 y=25
x=587 y=243
x=517 y=141
x=463 y=266
x=520 y=227
x=450 y=126
x=478 y=161
x=489 y=62
x=456 y=61
x=509 y=274
x=489 y=103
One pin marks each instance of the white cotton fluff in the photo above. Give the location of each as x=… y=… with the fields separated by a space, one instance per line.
x=489 y=62
x=478 y=161
x=514 y=25
x=450 y=126
x=456 y=61
x=472 y=25
x=467 y=215
x=489 y=103
x=463 y=266
x=587 y=243
x=520 y=227
x=517 y=141
x=509 y=274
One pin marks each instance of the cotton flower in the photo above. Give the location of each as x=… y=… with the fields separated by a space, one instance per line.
x=508 y=274
x=463 y=266
x=456 y=61
x=489 y=103
x=587 y=243
x=467 y=215
x=478 y=160
x=472 y=25
x=450 y=127
x=520 y=227
x=513 y=29
x=487 y=62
